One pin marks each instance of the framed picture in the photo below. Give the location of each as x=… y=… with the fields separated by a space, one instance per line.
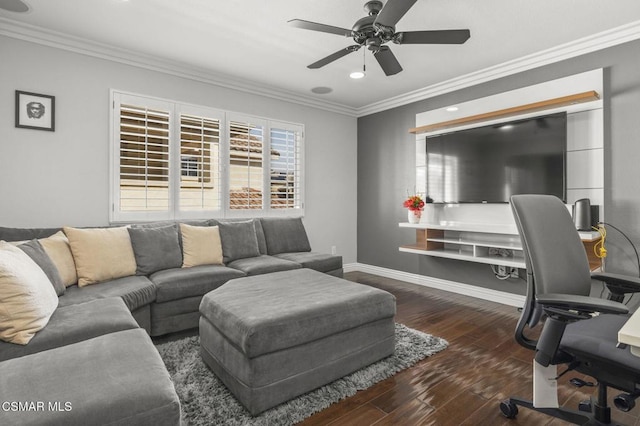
x=35 y=111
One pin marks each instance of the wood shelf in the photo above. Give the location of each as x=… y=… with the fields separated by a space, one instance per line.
x=577 y=98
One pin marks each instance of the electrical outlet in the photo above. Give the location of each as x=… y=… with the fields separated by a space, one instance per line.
x=333 y=250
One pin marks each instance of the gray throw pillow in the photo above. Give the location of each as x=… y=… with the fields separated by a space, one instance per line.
x=36 y=252
x=285 y=235
x=155 y=248
x=238 y=239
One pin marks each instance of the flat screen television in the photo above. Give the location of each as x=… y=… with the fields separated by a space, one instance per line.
x=489 y=164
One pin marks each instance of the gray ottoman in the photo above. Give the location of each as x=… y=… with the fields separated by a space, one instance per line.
x=273 y=337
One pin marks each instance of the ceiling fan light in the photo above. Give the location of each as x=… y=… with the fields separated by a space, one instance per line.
x=357 y=75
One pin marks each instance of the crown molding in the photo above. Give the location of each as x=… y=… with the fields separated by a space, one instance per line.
x=573 y=49
x=30 y=33
x=579 y=47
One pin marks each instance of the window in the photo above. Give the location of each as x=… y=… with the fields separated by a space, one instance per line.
x=172 y=160
x=284 y=180
x=144 y=159
x=200 y=189
x=246 y=164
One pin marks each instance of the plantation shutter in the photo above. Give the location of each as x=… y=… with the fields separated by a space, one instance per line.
x=143 y=159
x=246 y=164
x=172 y=160
x=200 y=163
x=286 y=166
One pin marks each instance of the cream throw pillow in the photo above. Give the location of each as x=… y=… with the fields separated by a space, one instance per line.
x=57 y=247
x=101 y=254
x=27 y=298
x=201 y=245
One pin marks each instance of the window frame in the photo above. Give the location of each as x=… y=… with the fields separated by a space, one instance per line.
x=173 y=212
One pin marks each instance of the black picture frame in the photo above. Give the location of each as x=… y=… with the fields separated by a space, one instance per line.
x=35 y=111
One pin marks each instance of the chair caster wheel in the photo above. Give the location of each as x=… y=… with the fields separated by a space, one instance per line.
x=509 y=409
x=585 y=406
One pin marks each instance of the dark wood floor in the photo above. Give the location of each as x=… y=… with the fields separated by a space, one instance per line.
x=462 y=385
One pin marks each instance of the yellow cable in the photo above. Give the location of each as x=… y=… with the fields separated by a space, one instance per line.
x=598 y=248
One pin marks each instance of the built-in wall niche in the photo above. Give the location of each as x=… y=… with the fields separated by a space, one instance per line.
x=584 y=156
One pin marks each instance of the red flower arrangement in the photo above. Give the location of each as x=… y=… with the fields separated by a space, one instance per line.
x=415 y=202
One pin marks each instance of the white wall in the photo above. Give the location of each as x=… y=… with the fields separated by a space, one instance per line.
x=62 y=178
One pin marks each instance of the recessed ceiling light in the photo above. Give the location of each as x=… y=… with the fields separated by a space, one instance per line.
x=356 y=74
x=17 y=6
x=452 y=109
x=322 y=90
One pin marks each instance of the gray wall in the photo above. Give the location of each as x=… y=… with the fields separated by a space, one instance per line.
x=386 y=160
x=62 y=178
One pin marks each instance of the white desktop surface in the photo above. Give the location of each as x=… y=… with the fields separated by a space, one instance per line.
x=630 y=333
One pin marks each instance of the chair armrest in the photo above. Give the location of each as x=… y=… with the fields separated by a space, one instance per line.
x=560 y=303
x=617 y=283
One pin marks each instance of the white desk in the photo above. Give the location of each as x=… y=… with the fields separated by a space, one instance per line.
x=629 y=334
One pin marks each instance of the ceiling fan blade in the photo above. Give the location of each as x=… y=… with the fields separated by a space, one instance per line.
x=337 y=55
x=392 y=11
x=387 y=61
x=314 y=26
x=433 y=37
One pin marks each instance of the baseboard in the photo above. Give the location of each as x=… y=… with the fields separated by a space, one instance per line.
x=452 y=286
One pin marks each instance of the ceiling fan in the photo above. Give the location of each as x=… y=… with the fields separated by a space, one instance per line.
x=378 y=28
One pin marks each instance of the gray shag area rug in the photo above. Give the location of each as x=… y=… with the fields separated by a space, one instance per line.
x=206 y=401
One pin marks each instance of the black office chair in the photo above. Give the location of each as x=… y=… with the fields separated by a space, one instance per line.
x=558 y=287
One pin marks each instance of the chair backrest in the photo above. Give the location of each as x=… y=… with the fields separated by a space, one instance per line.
x=554 y=255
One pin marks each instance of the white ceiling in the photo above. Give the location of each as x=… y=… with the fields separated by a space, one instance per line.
x=250 y=41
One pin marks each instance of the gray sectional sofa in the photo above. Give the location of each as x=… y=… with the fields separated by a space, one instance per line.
x=93 y=343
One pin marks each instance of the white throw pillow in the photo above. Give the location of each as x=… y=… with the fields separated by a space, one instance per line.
x=27 y=298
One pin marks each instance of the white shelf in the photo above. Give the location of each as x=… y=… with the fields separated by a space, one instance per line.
x=485 y=243
x=469 y=257
x=472 y=242
x=507 y=229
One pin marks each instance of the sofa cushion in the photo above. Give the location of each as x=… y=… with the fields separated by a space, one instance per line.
x=27 y=298
x=155 y=248
x=318 y=261
x=239 y=240
x=36 y=252
x=179 y=283
x=285 y=235
x=200 y=245
x=136 y=291
x=75 y=323
x=58 y=249
x=25 y=234
x=263 y=264
x=101 y=254
x=116 y=379
x=262 y=242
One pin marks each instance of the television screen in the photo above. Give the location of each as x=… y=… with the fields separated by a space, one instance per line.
x=489 y=164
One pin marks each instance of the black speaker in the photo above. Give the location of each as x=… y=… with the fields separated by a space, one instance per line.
x=595 y=215
x=582 y=214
